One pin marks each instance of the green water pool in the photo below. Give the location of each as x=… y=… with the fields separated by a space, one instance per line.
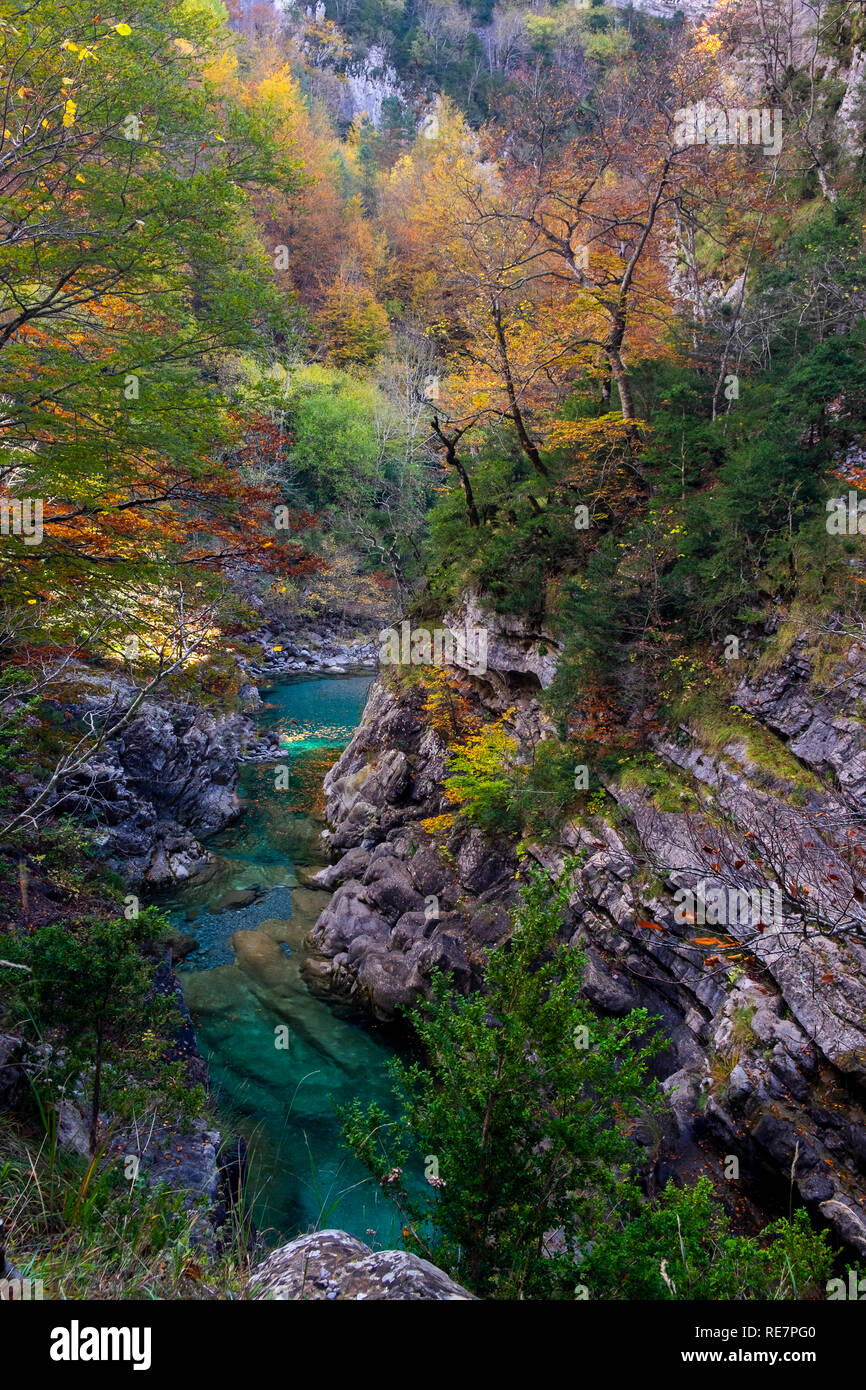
x=279 y=1057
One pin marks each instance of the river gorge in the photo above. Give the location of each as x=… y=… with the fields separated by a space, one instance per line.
x=279 y=1058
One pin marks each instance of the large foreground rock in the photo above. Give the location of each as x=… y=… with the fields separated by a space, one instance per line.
x=333 y=1264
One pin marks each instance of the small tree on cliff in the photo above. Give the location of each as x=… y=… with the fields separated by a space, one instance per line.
x=518 y=1113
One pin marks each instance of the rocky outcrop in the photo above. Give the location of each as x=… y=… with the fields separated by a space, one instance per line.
x=334 y=1265
x=168 y=778
x=516 y=652
x=823 y=727
x=328 y=649
x=369 y=83
x=694 y=10
x=399 y=911
x=767 y=1027
x=851 y=115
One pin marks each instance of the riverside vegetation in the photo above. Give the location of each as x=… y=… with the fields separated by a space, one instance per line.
x=494 y=347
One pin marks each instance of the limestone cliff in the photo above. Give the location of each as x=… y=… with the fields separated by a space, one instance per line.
x=767 y=1029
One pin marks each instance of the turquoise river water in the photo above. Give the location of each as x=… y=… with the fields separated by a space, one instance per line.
x=279 y=1057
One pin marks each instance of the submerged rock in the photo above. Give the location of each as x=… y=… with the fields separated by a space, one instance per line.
x=234 y=898
x=263 y=959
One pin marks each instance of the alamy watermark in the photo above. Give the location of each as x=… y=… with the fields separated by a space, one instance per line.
x=707 y=123
x=77 y=1343
x=441 y=647
x=716 y=906
x=847 y=515
x=22 y=518
x=17 y=1290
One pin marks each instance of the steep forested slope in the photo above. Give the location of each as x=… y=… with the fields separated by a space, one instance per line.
x=542 y=325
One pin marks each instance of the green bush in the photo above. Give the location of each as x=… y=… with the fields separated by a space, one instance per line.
x=680 y=1247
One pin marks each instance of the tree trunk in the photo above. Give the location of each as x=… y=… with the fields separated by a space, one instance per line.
x=526 y=443
x=97 y=1093
x=471 y=508
x=454 y=461
x=623 y=386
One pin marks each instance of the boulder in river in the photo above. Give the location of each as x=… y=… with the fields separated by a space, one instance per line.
x=334 y=1265
x=263 y=959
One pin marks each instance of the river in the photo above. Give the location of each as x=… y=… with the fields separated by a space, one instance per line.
x=279 y=1057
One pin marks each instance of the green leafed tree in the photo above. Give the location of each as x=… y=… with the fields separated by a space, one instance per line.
x=129 y=269
x=91 y=982
x=517 y=1115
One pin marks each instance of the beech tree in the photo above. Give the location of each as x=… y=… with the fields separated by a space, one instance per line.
x=128 y=263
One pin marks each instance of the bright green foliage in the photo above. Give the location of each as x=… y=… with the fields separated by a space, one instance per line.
x=333 y=449
x=92 y=982
x=681 y=1248
x=522 y=1101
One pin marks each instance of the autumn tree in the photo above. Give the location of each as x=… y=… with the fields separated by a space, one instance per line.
x=128 y=265
x=131 y=281
x=587 y=190
x=509 y=341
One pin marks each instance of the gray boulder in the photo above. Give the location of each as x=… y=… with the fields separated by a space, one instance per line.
x=334 y=1265
x=352 y=865
x=391 y=889
x=347 y=916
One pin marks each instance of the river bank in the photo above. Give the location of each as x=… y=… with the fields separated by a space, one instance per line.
x=278 y=1057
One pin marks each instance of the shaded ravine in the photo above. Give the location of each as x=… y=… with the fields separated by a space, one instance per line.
x=277 y=1056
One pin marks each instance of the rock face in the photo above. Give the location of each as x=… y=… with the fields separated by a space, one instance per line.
x=368 y=84
x=168 y=777
x=823 y=730
x=767 y=1027
x=695 y=10
x=513 y=648
x=334 y=1265
x=399 y=911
